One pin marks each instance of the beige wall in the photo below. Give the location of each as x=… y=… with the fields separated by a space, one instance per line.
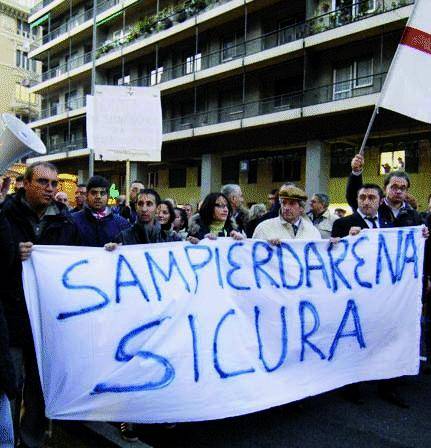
x=13 y=98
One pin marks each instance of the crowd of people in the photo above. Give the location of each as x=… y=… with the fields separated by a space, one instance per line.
x=39 y=214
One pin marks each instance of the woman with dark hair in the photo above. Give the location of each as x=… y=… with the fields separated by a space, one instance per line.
x=180 y=223
x=214 y=220
x=165 y=214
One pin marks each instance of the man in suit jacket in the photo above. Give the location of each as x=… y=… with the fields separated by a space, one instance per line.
x=366 y=216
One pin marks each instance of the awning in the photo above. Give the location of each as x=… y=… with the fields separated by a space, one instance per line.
x=40 y=21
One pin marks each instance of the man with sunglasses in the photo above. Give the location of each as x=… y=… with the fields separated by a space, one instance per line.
x=35 y=218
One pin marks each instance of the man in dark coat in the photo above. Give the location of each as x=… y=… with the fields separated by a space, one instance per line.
x=8 y=387
x=393 y=211
x=365 y=217
x=146 y=228
x=96 y=223
x=34 y=218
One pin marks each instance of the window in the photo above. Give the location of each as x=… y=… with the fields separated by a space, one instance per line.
x=177 y=177
x=229 y=170
x=153 y=179
x=233 y=46
x=193 y=63
x=364 y=7
x=71 y=100
x=341 y=157
x=286 y=31
x=286 y=168
x=342 y=83
x=156 y=76
x=399 y=156
x=124 y=81
x=22 y=60
x=121 y=35
x=356 y=75
x=252 y=172
x=22 y=28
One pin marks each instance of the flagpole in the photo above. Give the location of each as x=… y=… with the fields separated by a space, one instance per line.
x=367 y=134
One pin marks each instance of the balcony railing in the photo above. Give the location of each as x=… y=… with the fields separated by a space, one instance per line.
x=75 y=21
x=310 y=97
x=67 y=67
x=66 y=146
x=59 y=108
x=40 y=5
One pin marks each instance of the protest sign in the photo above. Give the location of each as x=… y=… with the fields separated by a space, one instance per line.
x=179 y=332
x=125 y=123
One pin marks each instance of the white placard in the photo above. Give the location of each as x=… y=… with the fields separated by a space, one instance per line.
x=178 y=332
x=125 y=123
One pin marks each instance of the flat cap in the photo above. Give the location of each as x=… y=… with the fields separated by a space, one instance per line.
x=292 y=193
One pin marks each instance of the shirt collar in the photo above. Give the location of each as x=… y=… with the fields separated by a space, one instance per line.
x=283 y=221
x=363 y=216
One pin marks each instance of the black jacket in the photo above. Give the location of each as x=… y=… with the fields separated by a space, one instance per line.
x=141 y=234
x=406 y=217
x=7 y=372
x=59 y=230
x=341 y=226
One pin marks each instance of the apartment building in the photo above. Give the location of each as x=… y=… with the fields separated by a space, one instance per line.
x=256 y=92
x=17 y=71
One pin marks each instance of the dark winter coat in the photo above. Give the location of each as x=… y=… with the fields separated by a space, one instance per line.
x=141 y=234
x=97 y=232
x=59 y=230
x=7 y=373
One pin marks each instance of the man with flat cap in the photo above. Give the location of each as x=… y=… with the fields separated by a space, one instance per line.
x=291 y=222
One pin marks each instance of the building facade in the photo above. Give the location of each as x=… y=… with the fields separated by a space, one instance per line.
x=17 y=71
x=255 y=92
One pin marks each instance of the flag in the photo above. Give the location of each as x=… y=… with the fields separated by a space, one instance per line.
x=407 y=89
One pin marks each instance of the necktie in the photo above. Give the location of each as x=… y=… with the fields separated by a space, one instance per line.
x=372 y=221
x=295 y=229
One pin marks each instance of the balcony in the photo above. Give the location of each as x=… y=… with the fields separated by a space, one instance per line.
x=56 y=109
x=75 y=21
x=67 y=67
x=284 y=104
x=40 y=5
x=73 y=145
x=164 y=20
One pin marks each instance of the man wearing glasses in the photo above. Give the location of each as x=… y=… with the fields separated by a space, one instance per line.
x=34 y=218
x=393 y=209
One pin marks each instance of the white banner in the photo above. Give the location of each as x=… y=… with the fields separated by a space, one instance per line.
x=178 y=332
x=125 y=123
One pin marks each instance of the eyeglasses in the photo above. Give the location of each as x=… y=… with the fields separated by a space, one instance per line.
x=221 y=205
x=398 y=188
x=45 y=182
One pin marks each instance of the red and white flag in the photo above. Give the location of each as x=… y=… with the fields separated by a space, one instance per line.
x=407 y=89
